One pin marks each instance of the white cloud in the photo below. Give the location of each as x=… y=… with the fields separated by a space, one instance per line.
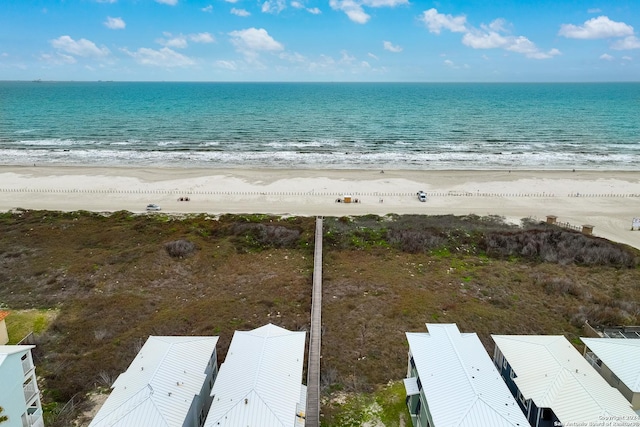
x=227 y=65
x=181 y=41
x=274 y=6
x=484 y=40
x=169 y=2
x=314 y=11
x=596 y=28
x=4 y=54
x=115 y=23
x=207 y=9
x=390 y=47
x=354 y=8
x=106 y=1
x=240 y=12
x=252 y=40
x=606 y=57
x=346 y=57
x=371 y=55
x=297 y=5
x=82 y=47
x=202 y=38
x=165 y=57
x=57 y=59
x=627 y=43
x=594 y=10
x=449 y=63
x=293 y=57
x=627 y=58
x=492 y=36
x=231 y=1
x=493 y=40
x=176 y=42
x=435 y=22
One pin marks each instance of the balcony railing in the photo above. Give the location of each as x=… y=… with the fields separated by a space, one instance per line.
x=35 y=417
x=27 y=366
x=593 y=361
x=30 y=390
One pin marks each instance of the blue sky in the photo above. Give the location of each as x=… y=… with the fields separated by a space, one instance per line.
x=320 y=40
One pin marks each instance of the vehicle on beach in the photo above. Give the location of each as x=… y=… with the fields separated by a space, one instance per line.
x=422 y=196
x=153 y=207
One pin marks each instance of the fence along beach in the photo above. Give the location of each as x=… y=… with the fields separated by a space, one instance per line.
x=607 y=200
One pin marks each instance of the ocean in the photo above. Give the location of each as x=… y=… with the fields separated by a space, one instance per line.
x=558 y=126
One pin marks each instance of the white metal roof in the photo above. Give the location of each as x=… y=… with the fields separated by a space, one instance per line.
x=622 y=356
x=7 y=350
x=460 y=382
x=259 y=383
x=552 y=373
x=159 y=386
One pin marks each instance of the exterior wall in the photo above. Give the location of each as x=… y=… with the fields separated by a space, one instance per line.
x=614 y=381
x=12 y=393
x=635 y=401
x=4 y=336
x=202 y=402
x=537 y=417
x=417 y=404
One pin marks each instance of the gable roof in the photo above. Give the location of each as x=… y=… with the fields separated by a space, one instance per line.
x=260 y=381
x=622 y=356
x=551 y=372
x=459 y=380
x=159 y=386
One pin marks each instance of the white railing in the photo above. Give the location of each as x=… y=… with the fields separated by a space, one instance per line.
x=27 y=366
x=30 y=390
x=593 y=360
x=35 y=418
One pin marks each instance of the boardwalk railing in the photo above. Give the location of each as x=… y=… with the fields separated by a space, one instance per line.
x=313 y=369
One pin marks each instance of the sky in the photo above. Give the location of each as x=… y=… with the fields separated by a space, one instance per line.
x=321 y=40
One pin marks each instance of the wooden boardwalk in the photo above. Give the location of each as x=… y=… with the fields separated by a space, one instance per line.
x=313 y=368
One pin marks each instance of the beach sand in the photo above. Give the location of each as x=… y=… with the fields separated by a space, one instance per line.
x=607 y=200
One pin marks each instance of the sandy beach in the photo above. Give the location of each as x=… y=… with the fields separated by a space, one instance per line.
x=607 y=200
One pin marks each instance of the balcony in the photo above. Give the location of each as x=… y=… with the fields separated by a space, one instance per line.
x=593 y=361
x=30 y=389
x=27 y=365
x=35 y=417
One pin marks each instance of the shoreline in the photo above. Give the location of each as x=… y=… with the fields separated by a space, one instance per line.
x=608 y=200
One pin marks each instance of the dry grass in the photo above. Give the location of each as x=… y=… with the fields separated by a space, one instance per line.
x=114 y=283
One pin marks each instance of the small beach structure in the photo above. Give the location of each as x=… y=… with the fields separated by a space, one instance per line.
x=19 y=393
x=452 y=382
x=553 y=384
x=346 y=198
x=167 y=384
x=618 y=361
x=260 y=381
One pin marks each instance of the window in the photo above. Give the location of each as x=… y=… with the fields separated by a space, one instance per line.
x=545 y=414
x=419 y=383
x=418 y=407
x=521 y=398
x=512 y=374
x=413 y=363
x=504 y=363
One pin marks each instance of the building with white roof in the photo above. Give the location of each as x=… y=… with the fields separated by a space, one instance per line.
x=452 y=382
x=260 y=381
x=19 y=393
x=4 y=336
x=554 y=385
x=168 y=384
x=618 y=361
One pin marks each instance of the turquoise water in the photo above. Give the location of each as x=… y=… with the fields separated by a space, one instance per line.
x=322 y=125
